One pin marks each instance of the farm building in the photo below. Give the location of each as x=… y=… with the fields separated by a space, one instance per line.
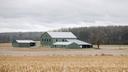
x=23 y=43
x=62 y=40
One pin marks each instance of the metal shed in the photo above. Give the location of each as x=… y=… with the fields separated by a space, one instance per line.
x=23 y=43
x=82 y=44
x=65 y=45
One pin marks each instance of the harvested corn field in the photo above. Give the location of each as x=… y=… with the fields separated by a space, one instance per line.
x=63 y=63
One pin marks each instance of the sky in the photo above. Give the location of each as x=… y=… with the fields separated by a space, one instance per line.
x=45 y=15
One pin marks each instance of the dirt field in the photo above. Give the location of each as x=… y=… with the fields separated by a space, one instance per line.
x=63 y=63
x=111 y=50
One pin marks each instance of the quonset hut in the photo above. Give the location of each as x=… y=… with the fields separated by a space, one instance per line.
x=62 y=40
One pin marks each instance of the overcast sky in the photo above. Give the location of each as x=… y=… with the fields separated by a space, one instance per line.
x=44 y=15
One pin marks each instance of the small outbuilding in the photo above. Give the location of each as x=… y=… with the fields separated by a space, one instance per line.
x=65 y=45
x=81 y=44
x=23 y=43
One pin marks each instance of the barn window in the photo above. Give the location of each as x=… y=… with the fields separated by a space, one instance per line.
x=45 y=39
x=63 y=40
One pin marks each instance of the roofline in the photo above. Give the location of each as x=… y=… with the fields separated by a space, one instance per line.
x=65 y=44
x=44 y=34
x=58 y=37
x=24 y=41
x=63 y=38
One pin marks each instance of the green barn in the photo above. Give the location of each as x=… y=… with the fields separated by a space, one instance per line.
x=23 y=43
x=62 y=40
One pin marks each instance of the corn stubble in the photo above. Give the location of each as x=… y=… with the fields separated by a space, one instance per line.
x=64 y=64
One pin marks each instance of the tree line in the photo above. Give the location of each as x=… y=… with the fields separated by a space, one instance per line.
x=101 y=34
x=8 y=37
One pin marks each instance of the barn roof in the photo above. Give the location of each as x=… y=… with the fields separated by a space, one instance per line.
x=24 y=41
x=61 y=34
x=70 y=41
x=79 y=42
x=62 y=43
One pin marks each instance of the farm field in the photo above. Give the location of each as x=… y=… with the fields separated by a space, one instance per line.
x=63 y=63
x=109 y=58
x=111 y=50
